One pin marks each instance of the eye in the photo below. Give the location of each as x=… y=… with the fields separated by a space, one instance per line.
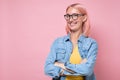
x=66 y=16
x=75 y=16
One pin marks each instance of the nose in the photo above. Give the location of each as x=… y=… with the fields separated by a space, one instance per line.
x=70 y=18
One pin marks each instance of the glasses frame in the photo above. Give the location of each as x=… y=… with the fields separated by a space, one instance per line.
x=72 y=16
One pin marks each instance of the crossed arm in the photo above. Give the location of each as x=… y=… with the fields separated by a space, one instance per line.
x=85 y=68
x=62 y=66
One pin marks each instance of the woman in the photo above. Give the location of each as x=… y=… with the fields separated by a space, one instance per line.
x=72 y=57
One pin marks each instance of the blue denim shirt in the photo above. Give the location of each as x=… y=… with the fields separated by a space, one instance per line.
x=61 y=50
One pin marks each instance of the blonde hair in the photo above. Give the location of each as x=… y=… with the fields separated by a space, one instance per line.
x=86 y=24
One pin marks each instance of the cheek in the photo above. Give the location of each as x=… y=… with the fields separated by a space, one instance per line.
x=79 y=23
x=79 y=20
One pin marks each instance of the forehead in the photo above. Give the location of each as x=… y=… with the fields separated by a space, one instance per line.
x=72 y=10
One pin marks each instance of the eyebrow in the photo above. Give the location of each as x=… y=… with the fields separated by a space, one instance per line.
x=74 y=13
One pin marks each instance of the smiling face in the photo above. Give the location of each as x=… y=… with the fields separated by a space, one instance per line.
x=74 y=19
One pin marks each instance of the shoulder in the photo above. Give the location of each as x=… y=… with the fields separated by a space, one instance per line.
x=88 y=42
x=60 y=39
x=59 y=42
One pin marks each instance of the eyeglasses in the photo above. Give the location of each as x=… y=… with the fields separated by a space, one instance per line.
x=73 y=16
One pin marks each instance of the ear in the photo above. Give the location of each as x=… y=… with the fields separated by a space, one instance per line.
x=84 y=18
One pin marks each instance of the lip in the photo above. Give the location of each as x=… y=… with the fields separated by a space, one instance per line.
x=72 y=24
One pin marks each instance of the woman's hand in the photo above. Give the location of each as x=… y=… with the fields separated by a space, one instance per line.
x=59 y=64
x=84 y=60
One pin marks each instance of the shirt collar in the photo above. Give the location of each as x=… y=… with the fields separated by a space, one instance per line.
x=80 y=39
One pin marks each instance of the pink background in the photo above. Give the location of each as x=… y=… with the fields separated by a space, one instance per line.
x=28 y=28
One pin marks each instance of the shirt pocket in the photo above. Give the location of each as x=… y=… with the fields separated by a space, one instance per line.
x=85 y=48
x=60 y=54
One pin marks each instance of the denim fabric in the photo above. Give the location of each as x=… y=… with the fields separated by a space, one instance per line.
x=61 y=50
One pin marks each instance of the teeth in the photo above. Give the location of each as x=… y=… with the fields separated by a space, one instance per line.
x=72 y=24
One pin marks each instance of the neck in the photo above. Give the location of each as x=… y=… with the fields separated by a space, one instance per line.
x=74 y=35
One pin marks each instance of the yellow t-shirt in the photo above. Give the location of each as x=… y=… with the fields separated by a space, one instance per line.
x=75 y=58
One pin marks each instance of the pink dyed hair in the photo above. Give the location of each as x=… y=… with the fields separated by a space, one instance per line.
x=86 y=24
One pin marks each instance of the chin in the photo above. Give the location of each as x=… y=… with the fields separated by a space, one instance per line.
x=72 y=27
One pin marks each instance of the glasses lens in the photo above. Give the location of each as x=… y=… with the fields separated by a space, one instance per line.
x=75 y=16
x=66 y=16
